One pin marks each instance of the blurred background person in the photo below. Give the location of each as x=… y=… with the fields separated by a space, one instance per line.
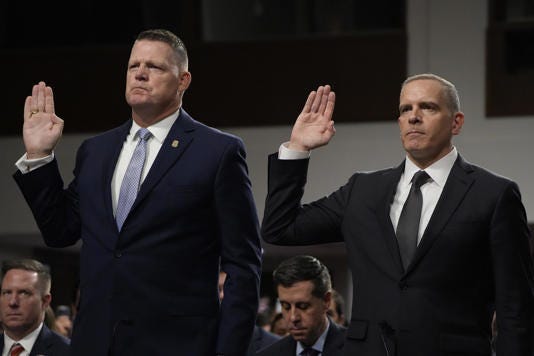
x=24 y=298
x=337 y=309
x=63 y=321
x=279 y=325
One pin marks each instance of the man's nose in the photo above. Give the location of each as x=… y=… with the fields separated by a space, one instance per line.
x=415 y=116
x=13 y=300
x=294 y=315
x=141 y=73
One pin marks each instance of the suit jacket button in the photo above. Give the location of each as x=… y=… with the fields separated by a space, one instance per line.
x=118 y=254
x=403 y=285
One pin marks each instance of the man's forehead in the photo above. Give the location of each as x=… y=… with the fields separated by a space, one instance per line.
x=422 y=90
x=20 y=274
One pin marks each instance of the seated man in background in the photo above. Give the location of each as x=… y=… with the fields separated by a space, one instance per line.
x=305 y=293
x=24 y=297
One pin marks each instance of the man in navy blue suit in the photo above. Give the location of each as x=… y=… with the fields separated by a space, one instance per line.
x=24 y=297
x=148 y=279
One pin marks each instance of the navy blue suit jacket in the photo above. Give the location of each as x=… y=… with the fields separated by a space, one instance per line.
x=152 y=287
x=473 y=254
x=48 y=343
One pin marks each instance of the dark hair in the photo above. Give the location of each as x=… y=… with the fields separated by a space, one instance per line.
x=169 y=38
x=43 y=272
x=303 y=268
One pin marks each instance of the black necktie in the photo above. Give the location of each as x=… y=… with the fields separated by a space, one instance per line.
x=308 y=351
x=408 y=226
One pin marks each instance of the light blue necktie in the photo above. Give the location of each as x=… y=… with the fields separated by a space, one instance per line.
x=132 y=178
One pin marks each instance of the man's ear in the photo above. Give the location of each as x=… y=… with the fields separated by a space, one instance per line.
x=327 y=299
x=185 y=81
x=46 y=299
x=457 y=123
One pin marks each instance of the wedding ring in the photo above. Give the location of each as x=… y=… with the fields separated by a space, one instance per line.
x=33 y=112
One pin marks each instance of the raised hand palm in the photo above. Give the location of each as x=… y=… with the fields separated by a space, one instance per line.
x=42 y=128
x=314 y=126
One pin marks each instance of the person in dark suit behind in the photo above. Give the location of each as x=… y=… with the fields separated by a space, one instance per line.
x=260 y=337
x=429 y=291
x=24 y=297
x=158 y=203
x=305 y=292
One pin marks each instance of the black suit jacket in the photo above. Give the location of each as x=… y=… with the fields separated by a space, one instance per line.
x=48 y=343
x=473 y=255
x=152 y=287
x=287 y=346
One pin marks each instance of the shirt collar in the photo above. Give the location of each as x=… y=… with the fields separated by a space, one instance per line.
x=319 y=344
x=26 y=342
x=438 y=171
x=159 y=130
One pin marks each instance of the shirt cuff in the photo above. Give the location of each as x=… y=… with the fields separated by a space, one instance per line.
x=26 y=165
x=286 y=153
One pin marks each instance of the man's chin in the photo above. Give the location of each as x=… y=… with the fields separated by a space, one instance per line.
x=298 y=335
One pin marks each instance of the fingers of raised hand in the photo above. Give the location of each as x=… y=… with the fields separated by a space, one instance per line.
x=41 y=100
x=309 y=101
x=317 y=100
x=49 y=100
x=330 y=102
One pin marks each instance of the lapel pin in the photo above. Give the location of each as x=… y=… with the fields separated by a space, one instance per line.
x=175 y=143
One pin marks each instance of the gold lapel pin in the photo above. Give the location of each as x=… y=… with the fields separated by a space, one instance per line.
x=175 y=143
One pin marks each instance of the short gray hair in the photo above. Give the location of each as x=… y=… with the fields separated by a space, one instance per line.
x=449 y=90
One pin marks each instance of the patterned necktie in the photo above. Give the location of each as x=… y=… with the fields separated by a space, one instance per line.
x=16 y=350
x=408 y=226
x=132 y=178
x=308 y=351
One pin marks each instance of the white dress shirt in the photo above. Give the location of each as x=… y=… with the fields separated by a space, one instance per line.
x=159 y=132
x=431 y=191
x=26 y=342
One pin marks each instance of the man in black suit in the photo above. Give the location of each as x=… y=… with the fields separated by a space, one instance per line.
x=430 y=291
x=305 y=293
x=159 y=203
x=24 y=297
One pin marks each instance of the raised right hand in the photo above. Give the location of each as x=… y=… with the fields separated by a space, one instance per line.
x=42 y=128
x=314 y=126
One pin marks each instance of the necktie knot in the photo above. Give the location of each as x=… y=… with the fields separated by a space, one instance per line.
x=420 y=178
x=144 y=134
x=308 y=351
x=16 y=350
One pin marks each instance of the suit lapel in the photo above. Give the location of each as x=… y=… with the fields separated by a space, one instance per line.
x=390 y=181
x=175 y=144
x=42 y=343
x=116 y=144
x=458 y=183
